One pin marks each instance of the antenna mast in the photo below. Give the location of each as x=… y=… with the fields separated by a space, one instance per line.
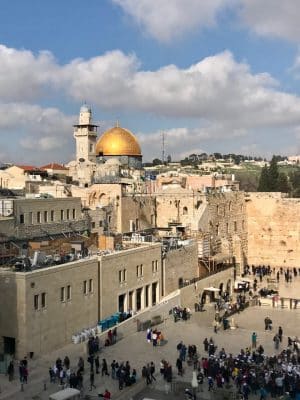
x=163 y=147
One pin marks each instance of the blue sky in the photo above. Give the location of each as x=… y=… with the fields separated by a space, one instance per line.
x=214 y=75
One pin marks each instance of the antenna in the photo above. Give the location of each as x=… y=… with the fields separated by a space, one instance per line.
x=163 y=147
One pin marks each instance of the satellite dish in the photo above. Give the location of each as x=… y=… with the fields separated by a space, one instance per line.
x=81 y=160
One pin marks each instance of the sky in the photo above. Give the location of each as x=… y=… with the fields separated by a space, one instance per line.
x=213 y=75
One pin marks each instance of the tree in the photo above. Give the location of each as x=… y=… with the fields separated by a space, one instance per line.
x=273 y=175
x=157 y=161
x=282 y=183
x=263 y=184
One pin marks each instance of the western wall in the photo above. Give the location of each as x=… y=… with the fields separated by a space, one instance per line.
x=273 y=230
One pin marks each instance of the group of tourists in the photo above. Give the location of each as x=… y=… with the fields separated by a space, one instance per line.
x=154 y=336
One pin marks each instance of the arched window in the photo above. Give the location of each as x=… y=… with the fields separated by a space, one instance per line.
x=185 y=211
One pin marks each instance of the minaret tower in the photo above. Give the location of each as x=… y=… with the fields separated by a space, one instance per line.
x=85 y=134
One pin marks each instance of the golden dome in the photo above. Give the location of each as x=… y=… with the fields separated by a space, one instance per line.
x=118 y=141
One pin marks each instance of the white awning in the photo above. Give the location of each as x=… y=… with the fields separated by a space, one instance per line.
x=211 y=289
x=239 y=278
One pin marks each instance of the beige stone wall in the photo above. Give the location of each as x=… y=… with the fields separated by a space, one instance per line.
x=181 y=263
x=128 y=260
x=228 y=225
x=273 y=230
x=50 y=327
x=181 y=206
x=193 y=293
x=138 y=212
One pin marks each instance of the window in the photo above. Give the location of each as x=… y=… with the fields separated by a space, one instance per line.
x=100 y=224
x=243 y=225
x=38 y=217
x=235 y=226
x=84 y=287
x=45 y=216
x=74 y=213
x=68 y=214
x=122 y=275
x=217 y=230
x=43 y=300
x=184 y=210
x=52 y=215
x=69 y=292
x=139 y=270
x=91 y=285
x=62 y=294
x=227 y=227
x=21 y=218
x=62 y=216
x=30 y=217
x=154 y=266
x=36 y=301
x=93 y=225
x=91 y=148
x=137 y=224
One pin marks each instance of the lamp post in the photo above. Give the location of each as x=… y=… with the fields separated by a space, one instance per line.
x=194 y=384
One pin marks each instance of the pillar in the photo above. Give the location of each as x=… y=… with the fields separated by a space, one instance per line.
x=143 y=298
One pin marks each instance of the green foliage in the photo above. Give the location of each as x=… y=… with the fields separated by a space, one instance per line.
x=263 y=184
x=271 y=180
x=157 y=161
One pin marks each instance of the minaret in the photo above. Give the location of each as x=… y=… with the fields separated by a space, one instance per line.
x=85 y=134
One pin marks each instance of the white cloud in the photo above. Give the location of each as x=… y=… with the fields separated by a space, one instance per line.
x=169 y=19
x=217 y=88
x=274 y=18
x=218 y=93
x=180 y=142
x=24 y=76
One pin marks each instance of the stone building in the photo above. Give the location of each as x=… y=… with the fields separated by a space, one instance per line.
x=218 y=220
x=273 y=230
x=37 y=218
x=41 y=309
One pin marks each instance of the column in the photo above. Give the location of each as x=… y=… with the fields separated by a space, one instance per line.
x=143 y=298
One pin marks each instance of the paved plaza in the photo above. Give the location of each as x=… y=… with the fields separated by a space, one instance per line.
x=138 y=352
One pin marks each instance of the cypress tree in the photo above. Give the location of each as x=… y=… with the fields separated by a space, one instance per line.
x=263 y=184
x=273 y=175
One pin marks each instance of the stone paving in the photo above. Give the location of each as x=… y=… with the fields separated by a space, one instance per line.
x=136 y=349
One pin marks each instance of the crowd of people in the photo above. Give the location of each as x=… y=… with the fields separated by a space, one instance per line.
x=248 y=372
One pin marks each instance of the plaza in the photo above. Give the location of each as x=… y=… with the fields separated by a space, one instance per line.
x=139 y=352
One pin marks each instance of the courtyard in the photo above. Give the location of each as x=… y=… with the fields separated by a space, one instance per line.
x=139 y=352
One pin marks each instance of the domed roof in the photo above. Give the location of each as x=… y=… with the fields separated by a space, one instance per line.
x=118 y=141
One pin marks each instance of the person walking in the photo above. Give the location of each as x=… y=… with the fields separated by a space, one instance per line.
x=280 y=333
x=92 y=380
x=104 y=370
x=10 y=371
x=113 y=366
x=276 y=341
x=253 y=339
x=97 y=364
x=179 y=366
x=152 y=371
